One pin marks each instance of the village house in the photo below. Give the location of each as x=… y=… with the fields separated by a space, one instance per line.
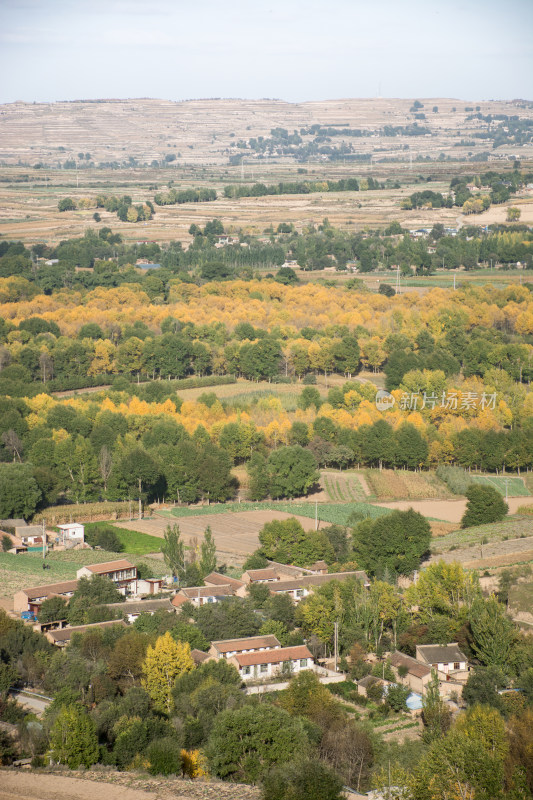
x=30 y=600
x=217 y=579
x=447 y=660
x=62 y=636
x=132 y=610
x=71 y=532
x=122 y=573
x=200 y=595
x=267 y=664
x=265 y=575
x=227 y=648
x=298 y=588
x=418 y=674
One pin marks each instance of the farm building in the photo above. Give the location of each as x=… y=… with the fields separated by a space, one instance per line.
x=418 y=674
x=260 y=575
x=132 y=610
x=216 y=579
x=445 y=658
x=200 y=595
x=63 y=636
x=122 y=573
x=73 y=532
x=31 y=599
x=269 y=663
x=298 y=588
x=250 y=644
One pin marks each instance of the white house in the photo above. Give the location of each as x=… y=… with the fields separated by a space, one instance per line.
x=72 y=532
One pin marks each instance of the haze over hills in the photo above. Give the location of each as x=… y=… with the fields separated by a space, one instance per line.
x=211 y=131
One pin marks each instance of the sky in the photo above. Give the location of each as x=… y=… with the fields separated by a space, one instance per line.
x=294 y=50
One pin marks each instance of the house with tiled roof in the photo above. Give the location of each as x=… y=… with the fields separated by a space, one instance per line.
x=267 y=664
x=32 y=599
x=217 y=579
x=447 y=660
x=200 y=595
x=226 y=648
x=298 y=588
x=62 y=636
x=122 y=572
x=418 y=674
x=260 y=575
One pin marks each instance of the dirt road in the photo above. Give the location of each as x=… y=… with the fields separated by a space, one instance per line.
x=22 y=785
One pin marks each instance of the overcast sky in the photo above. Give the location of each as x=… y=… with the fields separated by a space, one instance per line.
x=290 y=49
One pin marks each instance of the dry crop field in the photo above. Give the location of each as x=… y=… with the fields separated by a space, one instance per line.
x=201 y=136
x=389 y=484
x=236 y=535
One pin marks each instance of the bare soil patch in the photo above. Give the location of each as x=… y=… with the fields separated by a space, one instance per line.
x=447 y=510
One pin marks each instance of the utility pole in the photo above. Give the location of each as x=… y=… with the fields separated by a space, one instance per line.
x=44 y=542
x=316 y=515
x=336 y=642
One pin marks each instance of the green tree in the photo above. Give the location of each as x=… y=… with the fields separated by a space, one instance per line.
x=67 y=204
x=73 y=739
x=208 y=553
x=457 y=766
x=19 y=493
x=493 y=632
x=485 y=504
x=244 y=744
x=412 y=449
x=435 y=714
x=292 y=471
x=164 y=756
x=483 y=685
x=173 y=551
x=395 y=542
x=52 y=609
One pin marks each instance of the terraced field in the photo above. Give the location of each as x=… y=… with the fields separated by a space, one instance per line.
x=395 y=484
x=343 y=487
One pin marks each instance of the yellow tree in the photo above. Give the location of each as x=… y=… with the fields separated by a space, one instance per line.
x=164 y=662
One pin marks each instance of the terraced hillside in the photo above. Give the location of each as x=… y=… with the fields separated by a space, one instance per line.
x=207 y=131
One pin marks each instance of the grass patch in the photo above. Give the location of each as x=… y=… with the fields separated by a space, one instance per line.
x=133 y=542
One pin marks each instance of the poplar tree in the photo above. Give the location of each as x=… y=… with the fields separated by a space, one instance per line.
x=164 y=662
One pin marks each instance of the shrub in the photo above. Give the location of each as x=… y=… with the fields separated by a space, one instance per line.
x=456 y=479
x=164 y=756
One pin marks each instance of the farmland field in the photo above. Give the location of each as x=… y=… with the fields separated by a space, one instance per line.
x=514 y=486
x=388 y=484
x=236 y=526
x=342 y=487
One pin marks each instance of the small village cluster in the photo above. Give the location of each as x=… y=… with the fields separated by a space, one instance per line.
x=258 y=659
